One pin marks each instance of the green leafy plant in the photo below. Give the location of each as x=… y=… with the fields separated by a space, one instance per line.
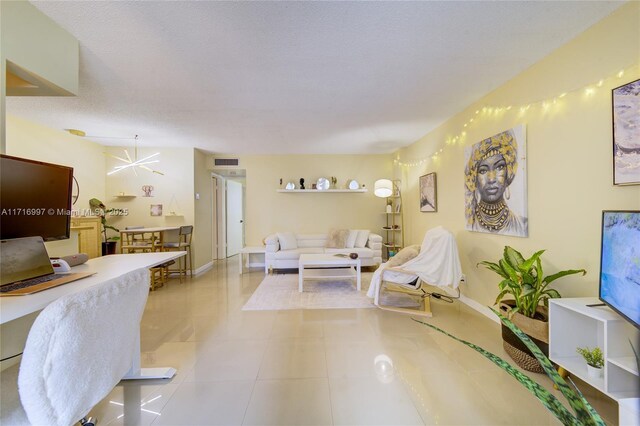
x=524 y=280
x=102 y=211
x=593 y=356
x=585 y=414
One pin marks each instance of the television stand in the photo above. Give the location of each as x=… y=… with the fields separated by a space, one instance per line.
x=573 y=324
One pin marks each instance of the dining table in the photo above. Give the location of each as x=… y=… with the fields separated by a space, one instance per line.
x=154 y=234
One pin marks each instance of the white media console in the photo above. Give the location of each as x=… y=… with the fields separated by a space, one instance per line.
x=573 y=324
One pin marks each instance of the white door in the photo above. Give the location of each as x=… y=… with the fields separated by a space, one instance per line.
x=235 y=218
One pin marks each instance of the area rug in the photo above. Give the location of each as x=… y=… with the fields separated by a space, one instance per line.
x=280 y=292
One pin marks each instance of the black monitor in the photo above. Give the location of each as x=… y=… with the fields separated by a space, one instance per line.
x=35 y=199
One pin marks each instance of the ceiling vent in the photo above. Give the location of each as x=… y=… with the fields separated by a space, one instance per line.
x=226 y=162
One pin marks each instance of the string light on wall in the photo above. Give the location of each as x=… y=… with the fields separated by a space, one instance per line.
x=486 y=111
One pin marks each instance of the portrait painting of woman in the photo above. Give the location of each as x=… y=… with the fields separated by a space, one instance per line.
x=495 y=184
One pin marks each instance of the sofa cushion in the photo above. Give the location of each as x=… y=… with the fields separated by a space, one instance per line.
x=351 y=238
x=337 y=238
x=311 y=240
x=363 y=237
x=364 y=253
x=295 y=254
x=287 y=240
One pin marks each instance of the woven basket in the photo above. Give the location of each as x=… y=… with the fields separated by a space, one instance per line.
x=523 y=359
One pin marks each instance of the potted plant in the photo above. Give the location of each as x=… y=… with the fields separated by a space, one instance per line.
x=594 y=359
x=581 y=412
x=108 y=243
x=524 y=280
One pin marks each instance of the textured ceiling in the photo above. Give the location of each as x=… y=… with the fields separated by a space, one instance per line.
x=293 y=77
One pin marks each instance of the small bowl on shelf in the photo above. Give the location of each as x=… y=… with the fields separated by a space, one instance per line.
x=353 y=256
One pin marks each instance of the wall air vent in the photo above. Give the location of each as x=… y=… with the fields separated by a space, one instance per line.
x=233 y=162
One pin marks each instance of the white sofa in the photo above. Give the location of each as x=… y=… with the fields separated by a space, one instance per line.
x=276 y=258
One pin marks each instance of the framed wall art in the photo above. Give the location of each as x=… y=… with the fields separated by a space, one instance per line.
x=496 y=185
x=156 y=209
x=625 y=102
x=428 y=193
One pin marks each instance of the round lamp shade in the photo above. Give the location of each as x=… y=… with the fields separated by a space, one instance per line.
x=383 y=188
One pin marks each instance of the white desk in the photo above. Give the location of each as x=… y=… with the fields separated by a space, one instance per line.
x=105 y=267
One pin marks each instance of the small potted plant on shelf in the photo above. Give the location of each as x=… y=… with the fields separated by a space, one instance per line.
x=594 y=359
x=524 y=280
x=108 y=243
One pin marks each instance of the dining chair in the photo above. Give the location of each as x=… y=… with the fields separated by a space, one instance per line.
x=185 y=235
x=138 y=242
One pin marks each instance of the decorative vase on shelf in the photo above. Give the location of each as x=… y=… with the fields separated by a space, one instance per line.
x=389 y=208
x=594 y=372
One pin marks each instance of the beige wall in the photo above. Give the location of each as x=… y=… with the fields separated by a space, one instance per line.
x=34 y=42
x=569 y=151
x=174 y=190
x=203 y=221
x=268 y=211
x=30 y=140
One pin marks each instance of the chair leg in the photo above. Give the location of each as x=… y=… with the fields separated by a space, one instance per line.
x=190 y=262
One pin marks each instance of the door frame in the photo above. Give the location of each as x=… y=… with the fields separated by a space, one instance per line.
x=219 y=228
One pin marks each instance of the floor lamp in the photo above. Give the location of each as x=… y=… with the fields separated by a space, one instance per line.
x=385 y=188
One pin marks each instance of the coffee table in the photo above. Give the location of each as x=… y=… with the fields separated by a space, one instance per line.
x=327 y=267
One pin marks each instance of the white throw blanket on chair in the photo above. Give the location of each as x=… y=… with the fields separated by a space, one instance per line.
x=437 y=264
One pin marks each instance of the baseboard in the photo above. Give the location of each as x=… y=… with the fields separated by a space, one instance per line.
x=204 y=268
x=484 y=310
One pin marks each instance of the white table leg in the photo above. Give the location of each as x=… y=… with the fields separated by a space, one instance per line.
x=358 y=275
x=137 y=373
x=240 y=262
x=300 y=277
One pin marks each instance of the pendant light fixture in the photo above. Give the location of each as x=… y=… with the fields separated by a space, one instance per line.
x=129 y=163
x=133 y=163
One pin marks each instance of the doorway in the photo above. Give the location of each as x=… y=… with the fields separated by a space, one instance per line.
x=235 y=218
x=228 y=230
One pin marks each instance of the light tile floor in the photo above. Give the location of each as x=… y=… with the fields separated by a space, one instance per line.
x=316 y=367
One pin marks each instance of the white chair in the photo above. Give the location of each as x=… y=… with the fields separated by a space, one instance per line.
x=77 y=350
x=437 y=264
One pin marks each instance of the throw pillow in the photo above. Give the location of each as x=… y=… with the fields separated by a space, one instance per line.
x=404 y=255
x=363 y=237
x=287 y=240
x=337 y=238
x=351 y=239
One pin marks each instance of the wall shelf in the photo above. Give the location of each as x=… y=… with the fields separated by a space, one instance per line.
x=322 y=191
x=125 y=196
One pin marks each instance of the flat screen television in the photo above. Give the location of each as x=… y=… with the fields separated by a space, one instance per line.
x=35 y=199
x=620 y=263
